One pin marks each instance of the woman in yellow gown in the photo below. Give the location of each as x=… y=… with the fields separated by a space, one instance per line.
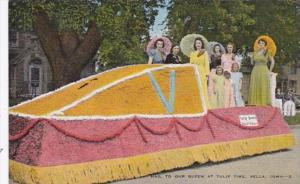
x=199 y=57
x=259 y=92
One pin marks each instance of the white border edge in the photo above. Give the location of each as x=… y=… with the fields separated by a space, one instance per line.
x=4 y=146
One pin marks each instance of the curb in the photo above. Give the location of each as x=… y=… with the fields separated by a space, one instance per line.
x=294 y=126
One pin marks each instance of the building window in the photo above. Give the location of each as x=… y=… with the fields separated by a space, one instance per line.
x=293 y=85
x=293 y=70
x=35 y=78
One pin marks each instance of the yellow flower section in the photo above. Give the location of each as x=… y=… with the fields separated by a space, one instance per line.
x=61 y=98
x=102 y=171
x=137 y=96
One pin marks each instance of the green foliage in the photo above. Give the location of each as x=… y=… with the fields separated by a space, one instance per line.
x=125 y=27
x=281 y=21
x=123 y=24
x=239 y=21
x=64 y=14
x=293 y=120
x=218 y=20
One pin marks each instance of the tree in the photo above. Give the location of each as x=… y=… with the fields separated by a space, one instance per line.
x=217 y=20
x=125 y=42
x=281 y=21
x=240 y=21
x=71 y=32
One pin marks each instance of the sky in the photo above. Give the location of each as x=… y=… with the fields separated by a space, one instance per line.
x=159 y=27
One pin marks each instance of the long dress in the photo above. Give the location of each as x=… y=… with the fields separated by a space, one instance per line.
x=218 y=88
x=215 y=60
x=203 y=68
x=236 y=78
x=259 y=91
x=228 y=94
x=289 y=108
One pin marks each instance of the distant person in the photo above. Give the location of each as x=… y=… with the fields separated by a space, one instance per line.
x=289 y=108
x=279 y=99
x=278 y=94
x=288 y=95
x=97 y=66
x=173 y=57
x=239 y=57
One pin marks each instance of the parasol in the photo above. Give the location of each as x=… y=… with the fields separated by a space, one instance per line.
x=167 y=44
x=271 y=46
x=211 y=46
x=187 y=43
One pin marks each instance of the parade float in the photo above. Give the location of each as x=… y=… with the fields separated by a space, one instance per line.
x=130 y=122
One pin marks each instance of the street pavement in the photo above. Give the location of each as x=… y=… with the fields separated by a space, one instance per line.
x=272 y=168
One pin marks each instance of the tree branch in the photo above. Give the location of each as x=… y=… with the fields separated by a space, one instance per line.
x=88 y=47
x=48 y=36
x=69 y=41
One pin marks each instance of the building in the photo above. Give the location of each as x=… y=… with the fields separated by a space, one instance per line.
x=29 y=71
x=290 y=78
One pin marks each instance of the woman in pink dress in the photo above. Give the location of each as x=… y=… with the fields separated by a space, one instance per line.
x=228 y=58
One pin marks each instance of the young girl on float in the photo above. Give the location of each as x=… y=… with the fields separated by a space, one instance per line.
x=215 y=60
x=237 y=79
x=218 y=88
x=228 y=92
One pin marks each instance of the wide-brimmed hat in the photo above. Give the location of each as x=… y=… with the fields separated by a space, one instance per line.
x=187 y=43
x=211 y=47
x=167 y=44
x=271 y=46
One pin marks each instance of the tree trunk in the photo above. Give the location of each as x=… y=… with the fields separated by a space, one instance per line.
x=64 y=74
x=66 y=53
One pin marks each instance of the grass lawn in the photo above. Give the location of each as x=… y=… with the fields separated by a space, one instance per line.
x=15 y=101
x=293 y=120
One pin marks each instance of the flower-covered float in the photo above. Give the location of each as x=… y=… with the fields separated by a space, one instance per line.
x=130 y=122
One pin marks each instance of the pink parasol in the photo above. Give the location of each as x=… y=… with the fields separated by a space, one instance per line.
x=167 y=44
